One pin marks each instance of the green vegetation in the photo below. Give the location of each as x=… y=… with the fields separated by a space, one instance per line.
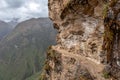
x=106 y=75
x=22 y=52
x=34 y=77
x=105 y=9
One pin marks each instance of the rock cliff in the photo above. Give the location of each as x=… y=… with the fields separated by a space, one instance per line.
x=88 y=40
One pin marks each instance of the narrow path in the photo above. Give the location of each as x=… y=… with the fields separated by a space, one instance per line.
x=93 y=67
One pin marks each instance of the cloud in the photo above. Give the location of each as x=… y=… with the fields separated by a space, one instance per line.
x=3 y=4
x=23 y=9
x=15 y=3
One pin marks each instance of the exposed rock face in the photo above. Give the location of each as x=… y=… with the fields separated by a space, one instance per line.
x=112 y=37
x=80 y=51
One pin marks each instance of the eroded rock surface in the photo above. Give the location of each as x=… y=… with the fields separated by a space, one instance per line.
x=112 y=38
x=80 y=51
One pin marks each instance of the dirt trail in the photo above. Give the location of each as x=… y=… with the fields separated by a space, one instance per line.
x=93 y=67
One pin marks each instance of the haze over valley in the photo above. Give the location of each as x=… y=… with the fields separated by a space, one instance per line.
x=22 y=50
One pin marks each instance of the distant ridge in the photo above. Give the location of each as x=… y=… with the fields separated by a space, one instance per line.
x=5 y=28
x=22 y=51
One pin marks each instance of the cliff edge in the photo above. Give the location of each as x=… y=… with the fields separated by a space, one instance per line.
x=87 y=41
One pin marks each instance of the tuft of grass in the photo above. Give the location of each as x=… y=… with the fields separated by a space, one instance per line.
x=105 y=9
x=43 y=77
x=106 y=75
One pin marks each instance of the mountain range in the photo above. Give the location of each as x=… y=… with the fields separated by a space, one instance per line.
x=5 y=28
x=22 y=51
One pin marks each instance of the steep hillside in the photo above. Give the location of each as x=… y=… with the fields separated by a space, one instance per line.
x=22 y=52
x=88 y=42
x=5 y=28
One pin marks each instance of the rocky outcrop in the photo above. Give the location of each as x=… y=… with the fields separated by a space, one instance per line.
x=112 y=38
x=85 y=41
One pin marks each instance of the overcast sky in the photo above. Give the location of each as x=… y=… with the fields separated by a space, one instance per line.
x=23 y=9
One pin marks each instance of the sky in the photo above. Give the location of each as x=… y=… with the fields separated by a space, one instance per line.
x=22 y=9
